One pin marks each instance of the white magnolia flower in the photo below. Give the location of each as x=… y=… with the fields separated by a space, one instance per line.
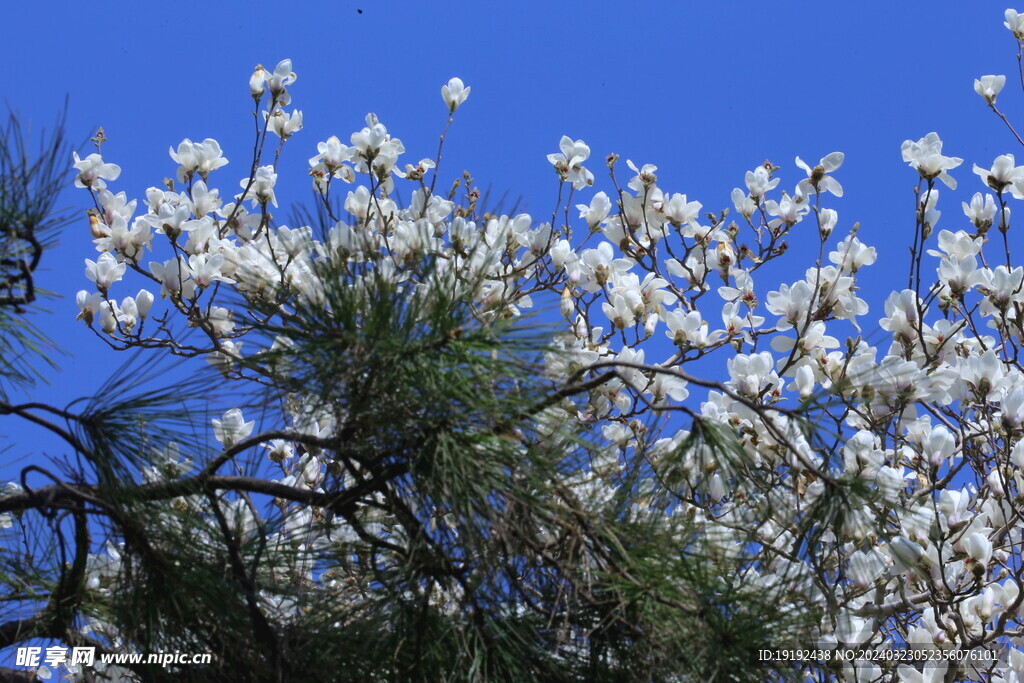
x=143 y=302
x=866 y=566
x=981 y=211
x=278 y=82
x=283 y=125
x=818 y=178
x=260 y=187
x=1015 y=22
x=197 y=157
x=926 y=157
x=569 y=162
x=978 y=548
x=827 y=219
x=258 y=82
x=454 y=94
x=759 y=182
x=92 y=171
x=332 y=153
x=1003 y=175
x=232 y=427
x=104 y=271
x=788 y=211
x=679 y=211
x=599 y=208
x=989 y=86
x=88 y=305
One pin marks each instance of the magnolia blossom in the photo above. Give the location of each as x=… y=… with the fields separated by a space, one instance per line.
x=644 y=177
x=818 y=179
x=197 y=157
x=261 y=186
x=744 y=203
x=598 y=209
x=803 y=381
x=787 y=211
x=989 y=86
x=1015 y=22
x=374 y=150
x=279 y=80
x=926 y=157
x=454 y=94
x=759 y=182
x=686 y=328
x=282 y=124
x=92 y=171
x=1004 y=175
x=232 y=427
x=679 y=211
x=88 y=304
x=569 y=163
x=332 y=153
x=981 y=210
x=104 y=271
x=1012 y=408
x=827 y=219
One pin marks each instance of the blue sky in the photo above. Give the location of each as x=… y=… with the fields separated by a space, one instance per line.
x=706 y=91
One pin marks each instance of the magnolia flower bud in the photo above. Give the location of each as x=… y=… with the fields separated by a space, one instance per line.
x=96 y=227
x=567 y=304
x=580 y=327
x=143 y=302
x=258 y=82
x=651 y=324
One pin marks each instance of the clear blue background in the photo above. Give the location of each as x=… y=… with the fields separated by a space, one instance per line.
x=706 y=91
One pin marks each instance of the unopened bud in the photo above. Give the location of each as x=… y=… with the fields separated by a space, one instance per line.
x=567 y=303
x=651 y=324
x=96 y=226
x=258 y=82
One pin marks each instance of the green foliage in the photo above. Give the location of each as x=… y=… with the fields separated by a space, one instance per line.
x=30 y=185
